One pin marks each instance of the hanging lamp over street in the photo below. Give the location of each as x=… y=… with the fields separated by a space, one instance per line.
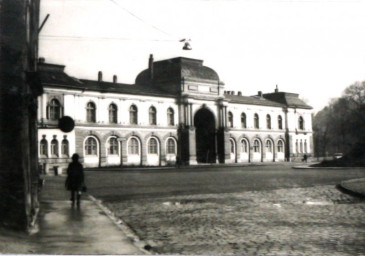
x=187 y=46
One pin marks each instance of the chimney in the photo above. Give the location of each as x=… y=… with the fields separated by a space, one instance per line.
x=276 y=89
x=239 y=93
x=41 y=60
x=115 y=79
x=100 y=76
x=150 y=66
x=259 y=93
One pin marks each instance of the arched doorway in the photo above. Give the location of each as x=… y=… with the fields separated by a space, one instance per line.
x=205 y=136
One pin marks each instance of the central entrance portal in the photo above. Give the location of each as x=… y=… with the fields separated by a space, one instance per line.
x=205 y=136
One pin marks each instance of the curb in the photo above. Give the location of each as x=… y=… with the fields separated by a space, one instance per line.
x=328 y=168
x=184 y=167
x=129 y=233
x=346 y=189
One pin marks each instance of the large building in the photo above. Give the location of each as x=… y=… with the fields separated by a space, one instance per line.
x=177 y=111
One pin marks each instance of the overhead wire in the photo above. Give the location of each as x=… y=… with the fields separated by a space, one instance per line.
x=138 y=18
x=80 y=38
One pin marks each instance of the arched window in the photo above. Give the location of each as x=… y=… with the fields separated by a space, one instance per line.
x=133 y=115
x=43 y=147
x=280 y=146
x=244 y=148
x=232 y=146
x=113 y=114
x=171 y=146
x=269 y=146
x=243 y=120
x=113 y=146
x=296 y=146
x=170 y=117
x=54 y=110
x=90 y=112
x=152 y=115
x=133 y=147
x=91 y=146
x=301 y=123
x=230 y=119
x=54 y=147
x=65 y=147
x=305 y=146
x=280 y=122
x=256 y=121
x=268 y=121
x=152 y=146
x=256 y=146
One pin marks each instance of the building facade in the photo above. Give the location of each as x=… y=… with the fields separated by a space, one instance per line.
x=177 y=111
x=19 y=89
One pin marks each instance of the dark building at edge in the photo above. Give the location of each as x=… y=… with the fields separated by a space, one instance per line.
x=19 y=88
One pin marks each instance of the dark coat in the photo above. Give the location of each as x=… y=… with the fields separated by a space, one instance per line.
x=75 y=176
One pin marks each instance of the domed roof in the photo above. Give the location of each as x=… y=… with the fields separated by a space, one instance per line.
x=177 y=68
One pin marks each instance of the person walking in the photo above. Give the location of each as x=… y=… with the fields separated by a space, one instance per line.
x=75 y=179
x=305 y=157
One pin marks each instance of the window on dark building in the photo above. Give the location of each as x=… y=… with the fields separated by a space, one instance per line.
x=54 y=110
x=152 y=115
x=43 y=150
x=171 y=146
x=301 y=123
x=152 y=146
x=54 y=147
x=256 y=121
x=133 y=115
x=230 y=119
x=244 y=146
x=268 y=146
x=170 y=117
x=256 y=146
x=280 y=122
x=91 y=146
x=305 y=146
x=133 y=147
x=232 y=146
x=296 y=146
x=65 y=147
x=243 y=120
x=113 y=114
x=280 y=146
x=268 y=121
x=91 y=112
x=113 y=146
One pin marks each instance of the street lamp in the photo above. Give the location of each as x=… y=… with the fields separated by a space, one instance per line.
x=187 y=46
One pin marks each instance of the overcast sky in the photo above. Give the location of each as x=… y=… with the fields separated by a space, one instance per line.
x=314 y=48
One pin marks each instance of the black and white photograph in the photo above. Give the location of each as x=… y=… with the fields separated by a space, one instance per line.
x=182 y=127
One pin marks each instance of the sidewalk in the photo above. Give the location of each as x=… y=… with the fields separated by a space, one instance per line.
x=84 y=230
x=355 y=187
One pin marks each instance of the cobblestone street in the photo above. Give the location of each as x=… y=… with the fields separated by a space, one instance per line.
x=317 y=220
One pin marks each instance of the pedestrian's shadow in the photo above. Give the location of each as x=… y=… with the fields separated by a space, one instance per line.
x=75 y=214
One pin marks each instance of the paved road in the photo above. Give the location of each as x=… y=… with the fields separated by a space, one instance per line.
x=256 y=210
x=116 y=185
x=312 y=221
